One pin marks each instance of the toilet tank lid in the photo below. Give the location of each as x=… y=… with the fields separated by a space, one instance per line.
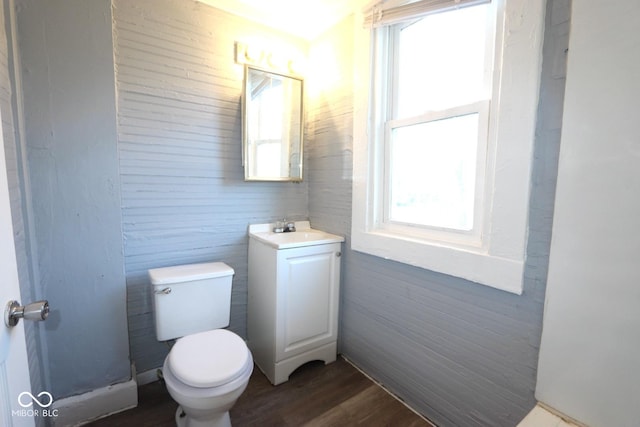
x=190 y=272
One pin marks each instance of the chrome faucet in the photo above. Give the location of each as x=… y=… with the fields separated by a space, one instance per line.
x=279 y=227
x=284 y=226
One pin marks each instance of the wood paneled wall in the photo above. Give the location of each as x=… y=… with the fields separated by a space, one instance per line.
x=184 y=198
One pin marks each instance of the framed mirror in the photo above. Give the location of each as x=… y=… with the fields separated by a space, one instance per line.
x=272 y=126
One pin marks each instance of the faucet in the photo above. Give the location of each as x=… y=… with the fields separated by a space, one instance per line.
x=279 y=227
x=284 y=226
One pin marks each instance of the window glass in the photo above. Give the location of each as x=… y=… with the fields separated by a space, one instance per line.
x=432 y=165
x=433 y=173
x=441 y=61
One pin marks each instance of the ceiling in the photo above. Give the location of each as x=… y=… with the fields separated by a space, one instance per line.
x=303 y=18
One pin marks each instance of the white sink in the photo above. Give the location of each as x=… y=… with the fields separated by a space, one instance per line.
x=303 y=236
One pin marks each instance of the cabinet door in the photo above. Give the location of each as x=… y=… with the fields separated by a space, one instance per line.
x=307 y=298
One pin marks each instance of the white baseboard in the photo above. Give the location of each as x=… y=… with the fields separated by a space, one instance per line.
x=545 y=416
x=382 y=386
x=81 y=409
x=147 y=377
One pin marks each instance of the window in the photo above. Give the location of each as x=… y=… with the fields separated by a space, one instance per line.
x=443 y=136
x=438 y=75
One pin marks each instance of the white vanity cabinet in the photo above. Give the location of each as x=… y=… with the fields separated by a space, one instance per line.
x=293 y=300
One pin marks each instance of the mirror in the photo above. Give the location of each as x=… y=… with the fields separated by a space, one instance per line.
x=272 y=126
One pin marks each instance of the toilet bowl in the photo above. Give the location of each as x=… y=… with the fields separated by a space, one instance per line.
x=205 y=373
x=208 y=367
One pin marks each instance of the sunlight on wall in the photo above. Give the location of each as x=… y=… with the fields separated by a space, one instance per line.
x=323 y=70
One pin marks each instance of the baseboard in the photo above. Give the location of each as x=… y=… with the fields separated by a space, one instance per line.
x=543 y=415
x=147 y=377
x=382 y=386
x=84 y=408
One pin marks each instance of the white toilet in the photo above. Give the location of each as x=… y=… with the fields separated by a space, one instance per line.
x=208 y=368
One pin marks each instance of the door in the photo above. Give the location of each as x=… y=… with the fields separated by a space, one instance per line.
x=14 y=371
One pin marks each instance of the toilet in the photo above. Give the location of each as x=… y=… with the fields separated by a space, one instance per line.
x=207 y=368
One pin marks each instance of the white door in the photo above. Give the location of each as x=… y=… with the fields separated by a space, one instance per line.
x=14 y=371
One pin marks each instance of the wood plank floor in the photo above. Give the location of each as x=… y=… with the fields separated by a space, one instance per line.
x=315 y=395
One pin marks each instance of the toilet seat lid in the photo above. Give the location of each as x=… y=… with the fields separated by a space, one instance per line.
x=208 y=359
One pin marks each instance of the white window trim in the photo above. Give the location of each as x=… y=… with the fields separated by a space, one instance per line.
x=380 y=219
x=499 y=260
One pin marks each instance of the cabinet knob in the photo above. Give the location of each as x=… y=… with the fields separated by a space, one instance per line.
x=338 y=254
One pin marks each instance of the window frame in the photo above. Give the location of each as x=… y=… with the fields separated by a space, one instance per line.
x=462 y=237
x=494 y=255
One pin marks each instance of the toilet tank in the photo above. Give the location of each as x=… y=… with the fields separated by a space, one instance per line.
x=190 y=298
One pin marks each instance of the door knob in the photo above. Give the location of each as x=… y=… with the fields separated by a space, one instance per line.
x=35 y=311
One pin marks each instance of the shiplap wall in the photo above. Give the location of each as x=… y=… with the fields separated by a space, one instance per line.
x=184 y=198
x=15 y=177
x=460 y=353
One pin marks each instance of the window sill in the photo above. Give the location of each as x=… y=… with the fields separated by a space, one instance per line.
x=474 y=264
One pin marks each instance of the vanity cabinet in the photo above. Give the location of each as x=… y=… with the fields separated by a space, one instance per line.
x=292 y=306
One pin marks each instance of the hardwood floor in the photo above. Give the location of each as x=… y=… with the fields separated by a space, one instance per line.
x=315 y=395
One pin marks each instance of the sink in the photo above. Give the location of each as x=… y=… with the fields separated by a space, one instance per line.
x=303 y=236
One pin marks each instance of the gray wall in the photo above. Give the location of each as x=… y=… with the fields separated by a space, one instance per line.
x=70 y=120
x=184 y=198
x=460 y=353
x=591 y=336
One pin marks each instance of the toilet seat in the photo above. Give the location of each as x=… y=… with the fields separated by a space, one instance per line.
x=209 y=359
